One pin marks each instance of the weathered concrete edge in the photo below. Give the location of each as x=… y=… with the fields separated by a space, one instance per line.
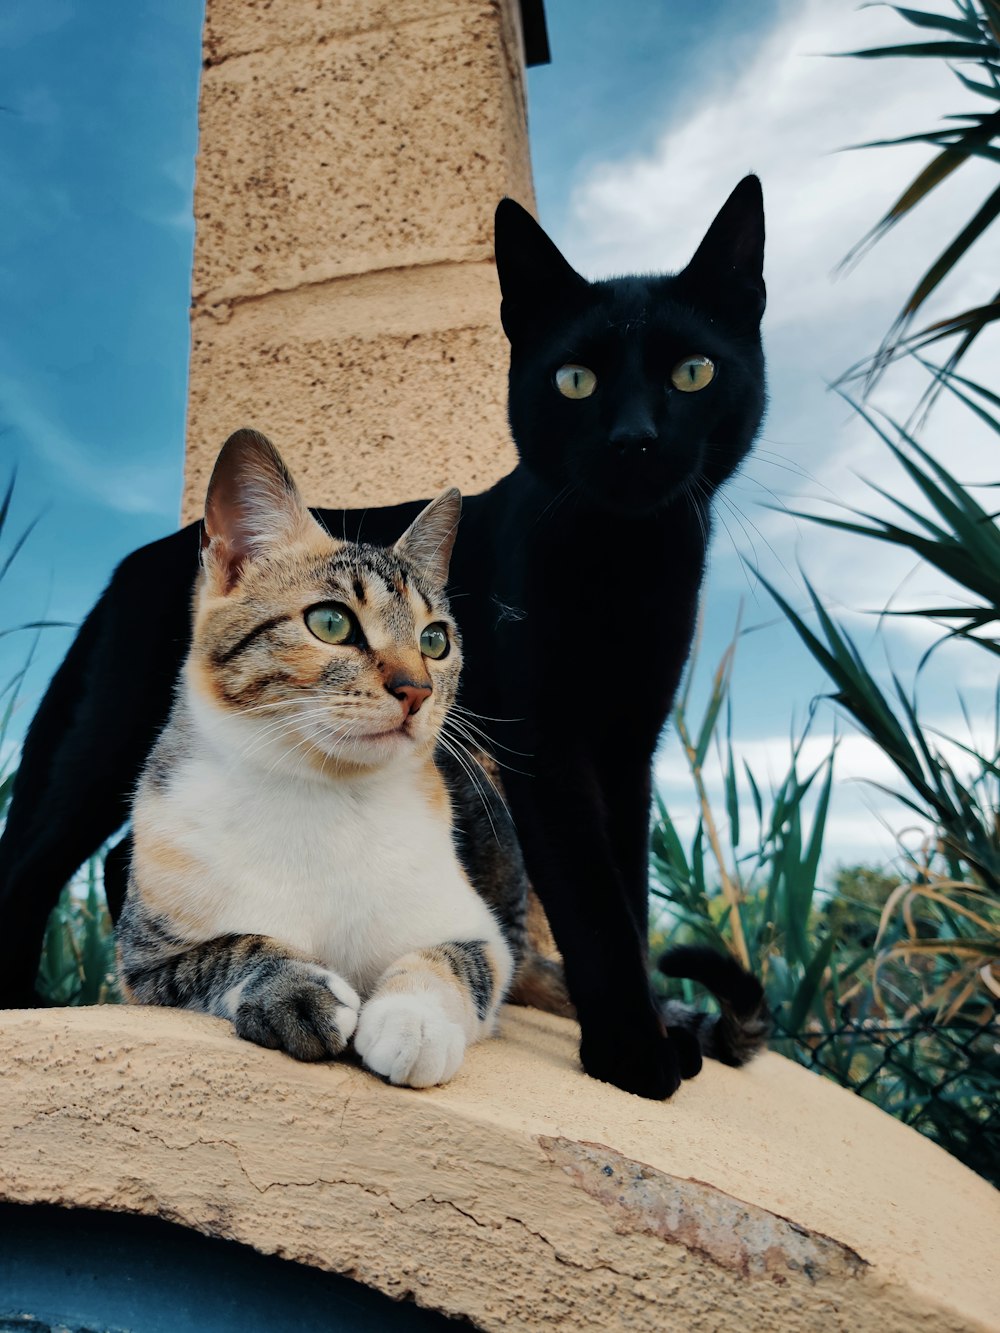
x=440 y=1203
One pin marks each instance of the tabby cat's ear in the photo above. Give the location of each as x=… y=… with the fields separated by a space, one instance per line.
x=252 y=506
x=728 y=266
x=536 y=282
x=427 y=543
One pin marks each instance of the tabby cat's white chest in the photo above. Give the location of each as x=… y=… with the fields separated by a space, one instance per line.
x=353 y=872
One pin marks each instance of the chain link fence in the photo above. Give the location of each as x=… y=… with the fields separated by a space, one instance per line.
x=943 y=1079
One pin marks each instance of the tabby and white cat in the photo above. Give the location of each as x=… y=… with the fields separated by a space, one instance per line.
x=294 y=867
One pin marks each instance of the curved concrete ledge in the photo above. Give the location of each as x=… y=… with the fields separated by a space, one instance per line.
x=523 y=1195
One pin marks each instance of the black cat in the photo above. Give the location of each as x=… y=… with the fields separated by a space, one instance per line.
x=576 y=583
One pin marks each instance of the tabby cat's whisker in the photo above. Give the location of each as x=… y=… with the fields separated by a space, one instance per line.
x=470 y=753
x=484 y=717
x=450 y=745
x=482 y=743
x=487 y=741
x=275 y=731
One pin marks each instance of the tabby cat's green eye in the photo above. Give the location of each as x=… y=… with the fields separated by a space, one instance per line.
x=434 y=641
x=575 y=381
x=692 y=374
x=331 y=623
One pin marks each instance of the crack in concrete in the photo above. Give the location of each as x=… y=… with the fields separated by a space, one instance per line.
x=220 y=308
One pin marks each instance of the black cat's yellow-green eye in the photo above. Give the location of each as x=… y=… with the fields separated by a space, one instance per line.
x=692 y=374
x=331 y=623
x=575 y=381
x=434 y=641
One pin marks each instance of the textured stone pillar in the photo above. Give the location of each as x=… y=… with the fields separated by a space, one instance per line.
x=344 y=296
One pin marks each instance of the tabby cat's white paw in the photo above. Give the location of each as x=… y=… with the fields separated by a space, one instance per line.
x=348 y=1000
x=409 y=1040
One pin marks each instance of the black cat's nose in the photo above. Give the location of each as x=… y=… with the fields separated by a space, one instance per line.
x=632 y=441
x=635 y=431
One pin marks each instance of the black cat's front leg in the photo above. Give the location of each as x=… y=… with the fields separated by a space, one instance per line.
x=626 y=794
x=562 y=825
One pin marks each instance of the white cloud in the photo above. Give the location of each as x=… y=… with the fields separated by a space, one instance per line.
x=786 y=118
x=866 y=822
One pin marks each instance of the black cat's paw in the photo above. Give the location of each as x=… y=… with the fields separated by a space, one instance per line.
x=648 y=1065
x=303 y=1009
x=689 y=1054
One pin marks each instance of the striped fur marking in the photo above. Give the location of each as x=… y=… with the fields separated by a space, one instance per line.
x=471 y=966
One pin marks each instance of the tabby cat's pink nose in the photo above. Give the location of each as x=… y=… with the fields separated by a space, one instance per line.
x=411 y=696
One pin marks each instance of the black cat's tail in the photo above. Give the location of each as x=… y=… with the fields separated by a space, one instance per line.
x=741 y=1029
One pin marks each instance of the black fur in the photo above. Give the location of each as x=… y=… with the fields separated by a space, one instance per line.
x=576 y=582
x=741 y=1029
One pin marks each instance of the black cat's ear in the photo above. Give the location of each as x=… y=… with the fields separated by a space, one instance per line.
x=427 y=543
x=536 y=282
x=729 y=263
x=252 y=506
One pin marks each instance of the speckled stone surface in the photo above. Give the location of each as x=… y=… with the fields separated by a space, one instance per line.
x=351 y=157
x=376 y=389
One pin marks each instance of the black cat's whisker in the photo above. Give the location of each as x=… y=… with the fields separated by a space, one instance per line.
x=558 y=496
x=772 y=459
x=571 y=494
x=740 y=516
x=779 y=502
x=554 y=504
x=741 y=558
x=698 y=507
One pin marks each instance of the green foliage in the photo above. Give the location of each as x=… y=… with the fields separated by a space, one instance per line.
x=77 y=965
x=971 y=36
x=749 y=886
x=854 y=911
x=954 y=882
x=862 y=973
x=78 y=957
x=959 y=537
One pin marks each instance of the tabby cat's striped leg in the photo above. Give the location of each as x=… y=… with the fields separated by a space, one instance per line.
x=273 y=995
x=429 y=1006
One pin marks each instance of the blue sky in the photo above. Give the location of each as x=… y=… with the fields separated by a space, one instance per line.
x=646 y=118
x=97 y=141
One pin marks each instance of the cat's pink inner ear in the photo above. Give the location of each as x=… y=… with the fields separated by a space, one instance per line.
x=428 y=542
x=252 y=506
